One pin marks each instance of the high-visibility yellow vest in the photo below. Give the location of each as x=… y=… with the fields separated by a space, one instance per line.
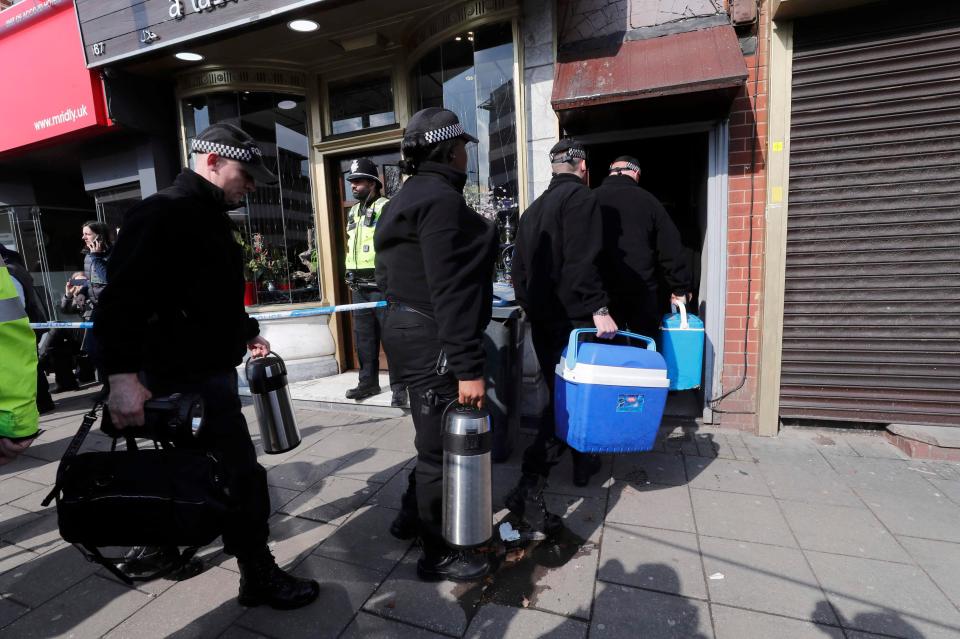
x=18 y=371
x=360 y=252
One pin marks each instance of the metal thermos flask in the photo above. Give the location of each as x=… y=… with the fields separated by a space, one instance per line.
x=467 y=503
x=267 y=378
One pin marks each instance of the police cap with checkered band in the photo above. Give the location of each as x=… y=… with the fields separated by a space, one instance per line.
x=232 y=143
x=566 y=150
x=363 y=169
x=434 y=125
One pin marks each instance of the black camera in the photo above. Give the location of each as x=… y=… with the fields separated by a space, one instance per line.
x=175 y=418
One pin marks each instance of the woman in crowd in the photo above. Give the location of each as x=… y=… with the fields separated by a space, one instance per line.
x=435 y=264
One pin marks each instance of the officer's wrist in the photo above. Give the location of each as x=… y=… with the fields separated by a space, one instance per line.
x=603 y=311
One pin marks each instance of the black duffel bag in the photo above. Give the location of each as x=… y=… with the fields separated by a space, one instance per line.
x=166 y=496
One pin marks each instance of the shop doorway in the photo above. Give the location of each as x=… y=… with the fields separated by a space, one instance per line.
x=341 y=201
x=685 y=169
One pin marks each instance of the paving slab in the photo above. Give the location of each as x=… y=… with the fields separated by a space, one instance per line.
x=875 y=446
x=770 y=579
x=279 y=497
x=949 y=488
x=180 y=613
x=916 y=512
x=810 y=480
x=653 y=506
x=846 y=531
x=784 y=449
x=35 y=582
x=13 y=488
x=389 y=495
x=343 y=589
x=41 y=472
x=885 y=598
x=89 y=609
x=10 y=611
x=941 y=561
x=331 y=500
x=237 y=632
x=640 y=469
x=398 y=435
x=493 y=622
x=402 y=596
x=345 y=443
x=663 y=560
x=301 y=473
x=744 y=517
x=726 y=475
x=12 y=517
x=365 y=539
x=367 y=626
x=621 y=611
x=890 y=474
x=374 y=465
x=561 y=479
x=40 y=535
x=734 y=623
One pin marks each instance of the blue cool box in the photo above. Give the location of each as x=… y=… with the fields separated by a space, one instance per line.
x=681 y=342
x=609 y=397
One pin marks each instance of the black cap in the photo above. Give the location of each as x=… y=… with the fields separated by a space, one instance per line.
x=232 y=143
x=433 y=125
x=363 y=169
x=567 y=149
x=632 y=163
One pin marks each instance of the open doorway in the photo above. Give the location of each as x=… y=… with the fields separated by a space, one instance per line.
x=675 y=169
x=341 y=201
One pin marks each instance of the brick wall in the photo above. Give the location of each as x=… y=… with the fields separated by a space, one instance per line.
x=745 y=261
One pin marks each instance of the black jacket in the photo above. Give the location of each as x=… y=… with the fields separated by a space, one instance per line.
x=638 y=234
x=555 y=259
x=173 y=304
x=436 y=254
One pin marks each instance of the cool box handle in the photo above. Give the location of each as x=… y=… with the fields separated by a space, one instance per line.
x=574 y=343
x=683 y=314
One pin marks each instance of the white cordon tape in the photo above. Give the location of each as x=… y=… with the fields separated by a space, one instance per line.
x=263 y=317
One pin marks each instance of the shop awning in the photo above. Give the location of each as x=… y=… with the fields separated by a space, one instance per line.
x=691 y=62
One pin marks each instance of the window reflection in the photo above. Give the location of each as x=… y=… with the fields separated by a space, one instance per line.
x=472 y=75
x=277 y=222
x=358 y=104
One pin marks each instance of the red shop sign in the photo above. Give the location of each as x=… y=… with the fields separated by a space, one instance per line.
x=49 y=92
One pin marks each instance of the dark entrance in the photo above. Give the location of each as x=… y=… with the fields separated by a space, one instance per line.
x=674 y=169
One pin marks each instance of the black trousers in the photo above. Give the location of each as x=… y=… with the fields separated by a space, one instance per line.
x=413 y=348
x=636 y=312
x=367 y=334
x=224 y=434
x=549 y=340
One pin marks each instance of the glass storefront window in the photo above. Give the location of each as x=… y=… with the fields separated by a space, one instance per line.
x=277 y=222
x=472 y=75
x=113 y=203
x=361 y=103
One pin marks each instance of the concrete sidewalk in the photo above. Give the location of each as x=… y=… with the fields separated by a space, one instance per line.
x=715 y=534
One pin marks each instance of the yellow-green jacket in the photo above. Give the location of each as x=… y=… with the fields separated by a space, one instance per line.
x=360 y=252
x=18 y=373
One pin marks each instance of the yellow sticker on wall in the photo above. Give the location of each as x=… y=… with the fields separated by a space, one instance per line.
x=778 y=146
x=776 y=194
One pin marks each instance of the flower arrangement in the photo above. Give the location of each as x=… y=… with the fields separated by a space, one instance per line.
x=261 y=262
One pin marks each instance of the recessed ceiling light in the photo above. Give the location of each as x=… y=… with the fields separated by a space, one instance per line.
x=186 y=56
x=458 y=38
x=286 y=104
x=303 y=26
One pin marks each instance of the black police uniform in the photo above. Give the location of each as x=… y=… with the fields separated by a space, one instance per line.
x=435 y=264
x=557 y=282
x=190 y=341
x=638 y=235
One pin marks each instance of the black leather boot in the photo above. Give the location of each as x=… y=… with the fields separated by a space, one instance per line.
x=453 y=565
x=263 y=582
x=525 y=501
x=362 y=392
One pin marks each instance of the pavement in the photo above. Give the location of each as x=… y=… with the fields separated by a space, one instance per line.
x=811 y=534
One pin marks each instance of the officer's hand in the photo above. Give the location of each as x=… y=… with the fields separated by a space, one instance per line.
x=258 y=347
x=127 y=396
x=678 y=300
x=606 y=327
x=9 y=449
x=472 y=392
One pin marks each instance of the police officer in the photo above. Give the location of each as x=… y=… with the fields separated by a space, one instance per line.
x=638 y=236
x=557 y=282
x=362 y=220
x=191 y=343
x=18 y=375
x=435 y=263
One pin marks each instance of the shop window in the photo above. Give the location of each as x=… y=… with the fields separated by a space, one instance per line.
x=359 y=104
x=113 y=203
x=277 y=221
x=472 y=75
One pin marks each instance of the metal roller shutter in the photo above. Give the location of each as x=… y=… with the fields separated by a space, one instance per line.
x=871 y=321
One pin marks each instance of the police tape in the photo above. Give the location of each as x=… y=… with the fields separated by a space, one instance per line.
x=263 y=317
